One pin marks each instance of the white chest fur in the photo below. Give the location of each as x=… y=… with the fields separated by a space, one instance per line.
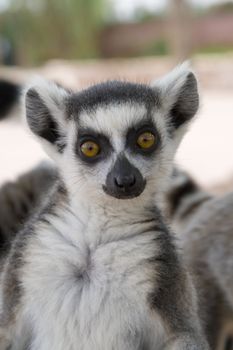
x=87 y=286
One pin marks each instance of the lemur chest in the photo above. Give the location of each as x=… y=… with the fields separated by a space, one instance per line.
x=90 y=289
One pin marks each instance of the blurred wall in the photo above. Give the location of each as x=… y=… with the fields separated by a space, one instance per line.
x=131 y=39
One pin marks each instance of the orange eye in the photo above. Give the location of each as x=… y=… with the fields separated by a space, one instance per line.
x=90 y=149
x=146 y=140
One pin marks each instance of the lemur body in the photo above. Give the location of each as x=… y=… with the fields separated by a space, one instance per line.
x=204 y=224
x=189 y=205
x=97 y=267
x=93 y=296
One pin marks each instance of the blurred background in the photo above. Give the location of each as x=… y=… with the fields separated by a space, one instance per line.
x=80 y=42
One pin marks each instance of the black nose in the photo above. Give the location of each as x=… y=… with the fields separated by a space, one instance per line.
x=125 y=182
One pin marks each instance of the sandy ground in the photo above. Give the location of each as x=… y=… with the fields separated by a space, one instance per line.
x=206 y=150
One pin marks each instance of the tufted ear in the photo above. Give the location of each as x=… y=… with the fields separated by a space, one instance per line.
x=45 y=108
x=178 y=91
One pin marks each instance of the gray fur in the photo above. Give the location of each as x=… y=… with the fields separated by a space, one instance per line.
x=187 y=102
x=112 y=92
x=19 y=198
x=205 y=229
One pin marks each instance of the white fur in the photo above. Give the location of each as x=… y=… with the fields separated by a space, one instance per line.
x=172 y=82
x=113 y=121
x=91 y=312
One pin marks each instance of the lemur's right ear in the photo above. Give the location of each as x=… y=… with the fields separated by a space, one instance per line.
x=178 y=91
x=45 y=104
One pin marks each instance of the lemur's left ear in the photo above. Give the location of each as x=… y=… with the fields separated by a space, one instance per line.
x=45 y=104
x=178 y=92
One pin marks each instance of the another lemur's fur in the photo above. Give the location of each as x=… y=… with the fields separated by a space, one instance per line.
x=184 y=199
x=205 y=227
x=97 y=267
x=20 y=198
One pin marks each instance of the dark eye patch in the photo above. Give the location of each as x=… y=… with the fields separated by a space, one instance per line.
x=101 y=140
x=133 y=134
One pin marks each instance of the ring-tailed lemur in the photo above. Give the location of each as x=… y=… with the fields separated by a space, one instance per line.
x=97 y=268
x=205 y=227
x=186 y=200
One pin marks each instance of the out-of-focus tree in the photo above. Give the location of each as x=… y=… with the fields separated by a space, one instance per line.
x=44 y=29
x=225 y=7
x=179 y=29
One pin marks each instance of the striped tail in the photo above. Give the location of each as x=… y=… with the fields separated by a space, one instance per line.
x=184 y=196
x=19 y=199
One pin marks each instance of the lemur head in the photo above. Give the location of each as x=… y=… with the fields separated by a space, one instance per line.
x=114 y=140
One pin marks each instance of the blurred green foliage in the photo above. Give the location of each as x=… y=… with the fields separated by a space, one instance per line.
x=39 y=30
x=45 y=29
x=158 y=48
x=225 y=7
x=215 y=49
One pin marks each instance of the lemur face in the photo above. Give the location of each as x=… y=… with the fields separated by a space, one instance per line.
x=117 y=143
x=115 y=139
